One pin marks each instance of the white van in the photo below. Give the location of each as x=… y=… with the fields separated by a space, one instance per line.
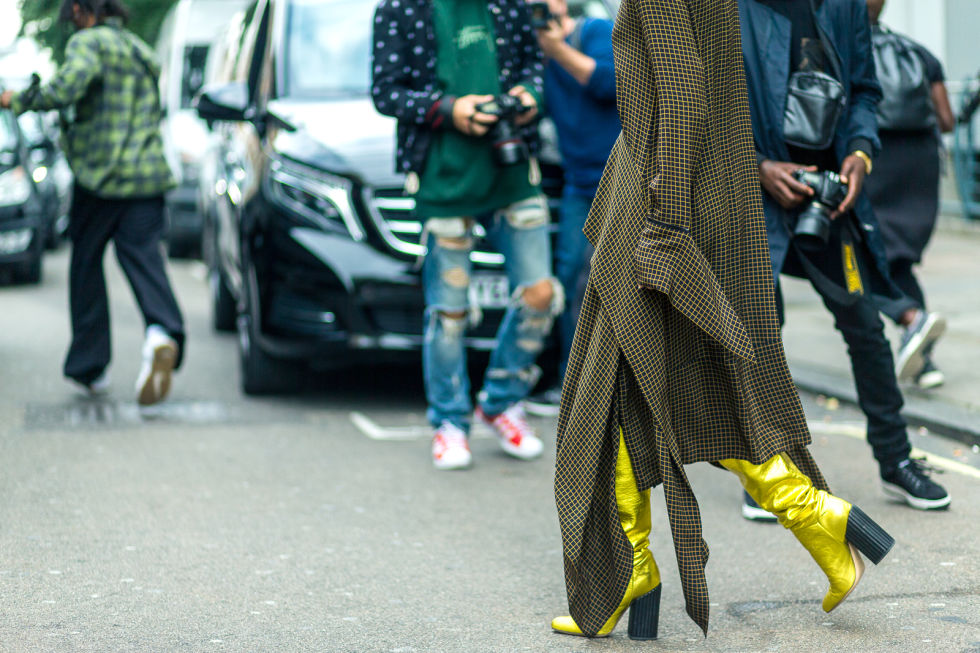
x=187 y=33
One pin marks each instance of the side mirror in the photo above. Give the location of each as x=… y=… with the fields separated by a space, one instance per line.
x=225 y=102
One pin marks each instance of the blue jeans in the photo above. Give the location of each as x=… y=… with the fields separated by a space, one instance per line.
x=520 y=233
x=570 y=259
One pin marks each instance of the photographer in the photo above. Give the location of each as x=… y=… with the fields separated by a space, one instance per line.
x=821 y=226
x=464 y=80
x=107 y=90
x=580 y=92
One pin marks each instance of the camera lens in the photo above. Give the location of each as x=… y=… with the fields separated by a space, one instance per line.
x=813 y=227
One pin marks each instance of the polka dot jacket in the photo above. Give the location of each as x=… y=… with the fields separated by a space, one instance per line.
x=404 y=70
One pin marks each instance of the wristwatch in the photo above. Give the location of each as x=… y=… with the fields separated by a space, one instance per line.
x=866 y=158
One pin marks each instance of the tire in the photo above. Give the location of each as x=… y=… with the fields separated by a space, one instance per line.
x=261 y=374
x=223 y=307
x=30 y=272
x=223 y=310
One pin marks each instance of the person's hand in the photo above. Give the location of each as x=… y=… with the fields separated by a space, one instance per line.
x=5 y=99
x=551 y=38
x=467 y=119
x=777 y=179
x=528 y=101
x=852 y=171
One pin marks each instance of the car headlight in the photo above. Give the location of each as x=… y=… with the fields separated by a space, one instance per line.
x=14 y=187
x=320 y=198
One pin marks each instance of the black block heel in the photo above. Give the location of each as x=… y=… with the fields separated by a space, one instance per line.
x=869 y=538
x=645 y=615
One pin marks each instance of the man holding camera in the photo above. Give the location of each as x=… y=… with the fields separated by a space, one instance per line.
x=812 y=94
x=580 y=92
x=464 y=79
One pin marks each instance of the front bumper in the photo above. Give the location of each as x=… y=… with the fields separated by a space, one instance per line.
x=332 y=300
x=20 y=235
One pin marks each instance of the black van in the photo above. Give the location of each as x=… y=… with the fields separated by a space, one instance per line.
x=311 y=243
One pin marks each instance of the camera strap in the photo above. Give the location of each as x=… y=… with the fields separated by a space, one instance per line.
x=850 y=288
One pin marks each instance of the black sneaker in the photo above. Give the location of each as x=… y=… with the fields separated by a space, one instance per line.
x=909 y=482
x=753 y=511
x=544 y=404
x=916 y=343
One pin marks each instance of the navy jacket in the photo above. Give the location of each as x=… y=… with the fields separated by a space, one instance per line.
x=404 y=68
x=766 y=50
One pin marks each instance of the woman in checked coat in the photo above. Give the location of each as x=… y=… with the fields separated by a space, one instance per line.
x=677 y=356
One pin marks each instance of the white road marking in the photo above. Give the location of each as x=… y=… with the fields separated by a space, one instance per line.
x=857 y=431
x=375 y=431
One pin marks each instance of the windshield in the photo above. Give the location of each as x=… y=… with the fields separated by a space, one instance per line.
x=328 y=48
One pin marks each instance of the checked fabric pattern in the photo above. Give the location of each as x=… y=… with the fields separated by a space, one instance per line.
x=113 y=143
x=677 y=341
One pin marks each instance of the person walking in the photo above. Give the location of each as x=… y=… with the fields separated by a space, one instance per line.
x=106 y=90
x=580 y=93
x=831 y=237
x=677 y=356
x=454 y=73
x=904 y=189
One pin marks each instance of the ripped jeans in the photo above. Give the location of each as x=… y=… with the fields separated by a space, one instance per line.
x=520 y=233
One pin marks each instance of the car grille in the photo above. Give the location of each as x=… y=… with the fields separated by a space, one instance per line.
x=394 y=215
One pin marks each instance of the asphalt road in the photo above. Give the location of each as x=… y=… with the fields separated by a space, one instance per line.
x=221 y=523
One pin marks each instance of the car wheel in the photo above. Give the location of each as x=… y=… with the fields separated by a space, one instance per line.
x=223 y=309
x=30 y=272
x=261 y=374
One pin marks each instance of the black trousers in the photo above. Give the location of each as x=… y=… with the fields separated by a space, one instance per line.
x=904 y=277
x=135 y=226
x=859 y=322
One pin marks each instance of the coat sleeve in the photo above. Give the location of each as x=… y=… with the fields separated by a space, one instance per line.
x=70 y=82
x=862 y=121
x=391 y=87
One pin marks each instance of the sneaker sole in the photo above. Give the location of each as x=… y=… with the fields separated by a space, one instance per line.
x=510 y=451
x=448 y=467
x=930 y=380
x=156 y=387
x=912 y=361
x=757 y=514
x=899 y=494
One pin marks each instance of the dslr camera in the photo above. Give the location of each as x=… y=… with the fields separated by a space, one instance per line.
x=540 y=15
x=813 y=226
x=508 y=146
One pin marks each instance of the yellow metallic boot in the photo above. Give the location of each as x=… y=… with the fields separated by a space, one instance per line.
x=831 y=529
x=642 y=595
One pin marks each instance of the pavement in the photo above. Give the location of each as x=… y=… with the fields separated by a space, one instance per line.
x=217 y=522
x=950 y=276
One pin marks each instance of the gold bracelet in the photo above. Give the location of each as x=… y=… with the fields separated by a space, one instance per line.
x=864 y=157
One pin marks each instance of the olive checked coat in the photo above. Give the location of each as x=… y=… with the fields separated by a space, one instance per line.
x=678 y=342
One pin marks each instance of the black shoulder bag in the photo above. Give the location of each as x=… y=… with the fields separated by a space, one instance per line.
x=815 y=102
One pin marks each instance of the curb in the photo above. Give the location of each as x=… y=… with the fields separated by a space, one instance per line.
x=949 y=420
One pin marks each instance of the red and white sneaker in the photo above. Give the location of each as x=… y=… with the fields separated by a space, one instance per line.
x=450 y=450
x=516 y=436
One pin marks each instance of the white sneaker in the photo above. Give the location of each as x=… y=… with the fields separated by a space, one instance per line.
x=450 y=449
x=159 y=358
x=97 y=388
x=516 y=436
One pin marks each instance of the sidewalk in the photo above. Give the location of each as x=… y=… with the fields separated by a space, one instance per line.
x=950 y=275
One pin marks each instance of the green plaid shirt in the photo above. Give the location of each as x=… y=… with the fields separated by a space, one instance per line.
x=113 y=140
